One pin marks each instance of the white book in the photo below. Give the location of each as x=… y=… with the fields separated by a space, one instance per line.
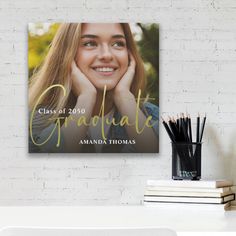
x=190 y=183
x=215 y=200
x=186 y=194
x=184 y=189
x=188 y=206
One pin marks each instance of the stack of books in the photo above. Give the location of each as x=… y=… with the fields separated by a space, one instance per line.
x=203 y=194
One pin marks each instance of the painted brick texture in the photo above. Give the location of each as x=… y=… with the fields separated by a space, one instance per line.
x=197 y=74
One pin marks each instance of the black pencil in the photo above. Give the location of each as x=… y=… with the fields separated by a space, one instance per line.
x=202 y=128
x=190 y=135
x=168 y=130
x=184 y=128
x=198 y=123
x=190 y=129
x=174 y=129
x=178 y=122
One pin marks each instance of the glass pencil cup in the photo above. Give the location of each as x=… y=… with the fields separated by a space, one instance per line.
x=186 y=161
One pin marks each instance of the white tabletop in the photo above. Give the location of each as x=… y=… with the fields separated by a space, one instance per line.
x=117 y=216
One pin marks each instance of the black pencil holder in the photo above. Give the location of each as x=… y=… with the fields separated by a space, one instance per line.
x=186 y=161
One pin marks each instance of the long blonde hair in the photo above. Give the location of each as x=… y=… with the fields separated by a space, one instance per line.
x=56 y=68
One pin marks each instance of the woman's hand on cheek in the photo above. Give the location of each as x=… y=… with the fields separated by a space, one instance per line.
x=123 y=87
x=80 y=83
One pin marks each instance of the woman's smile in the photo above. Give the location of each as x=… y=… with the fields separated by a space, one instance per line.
x=105 y=70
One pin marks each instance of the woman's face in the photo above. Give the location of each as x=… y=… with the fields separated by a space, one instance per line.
x=102 y=55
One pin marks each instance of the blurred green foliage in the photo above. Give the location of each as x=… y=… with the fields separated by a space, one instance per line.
x=38 y=46
x=149 y=50
x=148 y=45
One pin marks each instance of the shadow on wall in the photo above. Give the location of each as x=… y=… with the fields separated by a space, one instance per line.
x=227 y=157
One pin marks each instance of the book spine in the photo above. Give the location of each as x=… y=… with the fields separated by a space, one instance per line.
x=228 y=198
x=180 y=189
x=188 y=206
x=215 y=200
x=185 y=194
x=187 y=184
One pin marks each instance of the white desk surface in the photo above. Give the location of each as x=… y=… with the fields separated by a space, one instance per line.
x=117 y=216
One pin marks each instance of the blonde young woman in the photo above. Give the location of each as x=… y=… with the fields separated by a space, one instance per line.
x=95 y=71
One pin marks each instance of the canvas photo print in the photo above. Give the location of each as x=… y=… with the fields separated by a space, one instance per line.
x=93 y=87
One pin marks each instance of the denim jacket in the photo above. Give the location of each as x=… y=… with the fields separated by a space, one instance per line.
x=115 y=133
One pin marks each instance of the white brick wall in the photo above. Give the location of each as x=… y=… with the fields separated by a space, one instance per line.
x=197 y=73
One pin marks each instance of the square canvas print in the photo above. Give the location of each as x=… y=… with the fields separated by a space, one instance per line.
x=93 y=87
